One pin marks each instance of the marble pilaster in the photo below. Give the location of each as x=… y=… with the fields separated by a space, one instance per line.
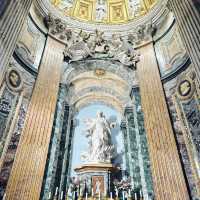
x=168 y=178
x=26 y=177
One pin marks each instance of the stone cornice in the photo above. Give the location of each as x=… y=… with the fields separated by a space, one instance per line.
x=82 y=45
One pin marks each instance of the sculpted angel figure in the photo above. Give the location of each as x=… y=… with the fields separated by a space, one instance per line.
x=99 y=133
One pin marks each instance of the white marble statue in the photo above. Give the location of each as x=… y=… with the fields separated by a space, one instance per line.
x=100 y=10
x=134 y=7
x=98 y=132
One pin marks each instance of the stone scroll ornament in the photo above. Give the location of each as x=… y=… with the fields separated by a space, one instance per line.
x=82 y=45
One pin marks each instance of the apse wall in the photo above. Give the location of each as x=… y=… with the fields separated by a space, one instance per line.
x=180 y=83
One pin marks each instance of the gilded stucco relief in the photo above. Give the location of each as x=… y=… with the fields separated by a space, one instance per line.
x=104 y=11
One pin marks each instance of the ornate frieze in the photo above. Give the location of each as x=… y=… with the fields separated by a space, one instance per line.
x=157 y=14
x=81 y=45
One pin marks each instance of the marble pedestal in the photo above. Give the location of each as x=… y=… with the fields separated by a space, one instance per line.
x=98 y=177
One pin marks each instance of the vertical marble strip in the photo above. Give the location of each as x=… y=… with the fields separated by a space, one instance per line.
x=189 y=24
x=66 y=152
x=53 y=154
x=27 y=173
x=11 y=130
x=140 y=160
x=10 y=26
x=189 y=149
x=168 y=178
x=129 y=151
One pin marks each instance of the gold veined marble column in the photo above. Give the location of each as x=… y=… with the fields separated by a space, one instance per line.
x=28 y=169
x=11 y=22
x=168 y=178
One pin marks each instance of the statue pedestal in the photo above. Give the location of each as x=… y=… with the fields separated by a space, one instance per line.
x=98 y=177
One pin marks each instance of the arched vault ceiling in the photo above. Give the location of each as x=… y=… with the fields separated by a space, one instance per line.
x=103 y=11
x=106 y=100
x=74 y=71
x=108 y=88
x=88 y=79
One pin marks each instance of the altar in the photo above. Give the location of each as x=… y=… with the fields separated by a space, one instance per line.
x=98 y=175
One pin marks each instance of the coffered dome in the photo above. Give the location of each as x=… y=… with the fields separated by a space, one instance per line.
x=103 y=11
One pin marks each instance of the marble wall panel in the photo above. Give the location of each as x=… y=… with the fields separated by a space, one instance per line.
x=170 y=51
x=183 y=99
x=30 y=44
x=13 y=107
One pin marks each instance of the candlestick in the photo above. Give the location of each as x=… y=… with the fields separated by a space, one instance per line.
x=4 y=196
x=111 y=195
x=99 y=195
x=141 y=194
x=86 y=196
x=61 y=196
x=123 y=195
x=92 y=192
x=135 y=196
x=129 y=193
x=74 y=195
x=116 y=191
x=56 y=191
x=49 y=197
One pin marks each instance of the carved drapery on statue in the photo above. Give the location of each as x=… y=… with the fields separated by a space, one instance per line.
x=101 y=149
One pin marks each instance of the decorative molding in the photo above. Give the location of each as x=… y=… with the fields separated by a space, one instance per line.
x=185 y=86
x=83 y=44
x=156 y=15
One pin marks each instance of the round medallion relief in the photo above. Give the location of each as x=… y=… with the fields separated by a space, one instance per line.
x=185 y=88
x=14 y=79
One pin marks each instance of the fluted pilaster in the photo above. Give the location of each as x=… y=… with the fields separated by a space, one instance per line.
x=28 y=169
x=188 y=19
x=168 y=179
x=11 y=23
